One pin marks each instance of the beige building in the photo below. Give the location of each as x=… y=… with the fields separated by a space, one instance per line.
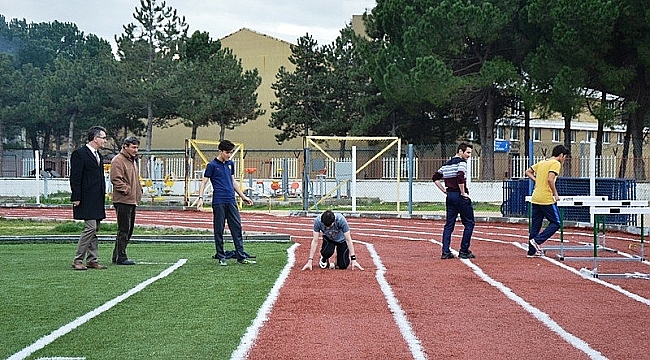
x=256 y=51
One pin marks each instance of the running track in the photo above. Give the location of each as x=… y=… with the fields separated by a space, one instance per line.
x=410 y=304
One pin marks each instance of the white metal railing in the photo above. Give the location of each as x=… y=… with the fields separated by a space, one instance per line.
x=608 y=166
x=175 y=166
x=389 y=166
x=277 y=167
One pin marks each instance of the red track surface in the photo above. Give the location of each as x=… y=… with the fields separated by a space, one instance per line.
x=501 y=305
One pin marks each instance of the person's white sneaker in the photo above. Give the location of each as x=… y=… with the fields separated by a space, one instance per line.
x=536 y=246
x=322 y=263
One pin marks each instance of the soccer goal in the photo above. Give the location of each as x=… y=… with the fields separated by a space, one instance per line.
x=348 y=171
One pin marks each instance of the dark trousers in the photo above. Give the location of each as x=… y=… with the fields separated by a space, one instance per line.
x=456 y=205
x=342 y=252
x=220 y=214
x=538 y=214
x=125 y=223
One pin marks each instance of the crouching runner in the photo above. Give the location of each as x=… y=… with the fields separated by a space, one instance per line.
x=336 y=236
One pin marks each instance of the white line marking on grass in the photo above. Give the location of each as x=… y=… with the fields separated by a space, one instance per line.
x=573 y=340
x=393 y=304
x=48 y=339
x=61 y=358
x=247 y=341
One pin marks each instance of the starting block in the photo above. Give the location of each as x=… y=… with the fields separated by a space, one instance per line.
x=599 y=224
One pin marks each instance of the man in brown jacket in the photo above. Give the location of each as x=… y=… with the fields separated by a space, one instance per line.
x=127 y=193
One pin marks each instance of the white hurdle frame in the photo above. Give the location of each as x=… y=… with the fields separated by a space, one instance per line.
x=591 y=202
x=599 y=214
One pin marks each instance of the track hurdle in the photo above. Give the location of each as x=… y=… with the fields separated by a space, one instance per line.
x=578 y=200
x=599 y=214
x=590 y=201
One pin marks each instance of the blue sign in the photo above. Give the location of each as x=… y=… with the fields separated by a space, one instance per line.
x=501 y=146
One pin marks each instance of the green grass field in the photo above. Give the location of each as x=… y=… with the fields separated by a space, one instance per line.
x=199 y=311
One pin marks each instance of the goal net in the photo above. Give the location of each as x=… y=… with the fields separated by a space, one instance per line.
x=353 y=172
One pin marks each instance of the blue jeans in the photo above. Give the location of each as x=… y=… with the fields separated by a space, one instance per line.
x=220 y=214
x=456 y=205
x=538 y=214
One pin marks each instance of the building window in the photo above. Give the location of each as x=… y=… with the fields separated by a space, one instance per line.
x=606 y=137
x=471 y=136
x=557 y=135
x=537 y=134
x=573 y=136
x=589 y=136
x=518 y=109
x=500 y=133
x=620 y=138
x=514 y=134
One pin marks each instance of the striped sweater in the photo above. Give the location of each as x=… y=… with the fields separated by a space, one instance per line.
x=454 y=172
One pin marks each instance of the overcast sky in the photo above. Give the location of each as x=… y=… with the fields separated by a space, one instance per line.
x=285 y=19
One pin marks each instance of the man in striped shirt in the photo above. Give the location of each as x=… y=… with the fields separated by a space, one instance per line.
x=454 y=174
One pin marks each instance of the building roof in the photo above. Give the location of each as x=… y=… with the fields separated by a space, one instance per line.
x=256 y=33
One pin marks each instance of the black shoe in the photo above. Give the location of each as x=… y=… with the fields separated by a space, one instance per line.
x=467 y=255
x=447 y=256
x=126 y=262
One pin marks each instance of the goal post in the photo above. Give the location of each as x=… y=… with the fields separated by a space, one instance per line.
x=344 y=169
x=198 y=153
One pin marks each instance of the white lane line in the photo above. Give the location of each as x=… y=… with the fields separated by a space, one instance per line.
x=573 y=340
x=398 y=313
x=46 y=340
x=617 y=288
x=247 y=341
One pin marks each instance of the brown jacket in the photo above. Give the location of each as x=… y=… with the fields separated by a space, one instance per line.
x=125 y=179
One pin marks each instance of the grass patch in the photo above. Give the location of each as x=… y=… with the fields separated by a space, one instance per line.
x=200 y=311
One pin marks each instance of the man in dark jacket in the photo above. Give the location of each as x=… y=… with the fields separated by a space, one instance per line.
x=88 y=193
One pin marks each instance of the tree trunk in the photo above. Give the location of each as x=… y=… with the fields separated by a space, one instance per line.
x=622 y=170
x=145 y=159
x=2 y=150
x=71 y=144
x=485 y=113
x=637 y=150
x=566 y=168
x=527 y=135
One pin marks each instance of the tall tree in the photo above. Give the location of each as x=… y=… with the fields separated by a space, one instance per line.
x=148 y=51
x=300 y=93
x=217 y=89
x=442 y=51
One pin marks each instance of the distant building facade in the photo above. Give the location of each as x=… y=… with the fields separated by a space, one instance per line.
x=256 y=51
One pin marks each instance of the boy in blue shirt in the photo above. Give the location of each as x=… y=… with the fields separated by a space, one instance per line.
x=221 y=174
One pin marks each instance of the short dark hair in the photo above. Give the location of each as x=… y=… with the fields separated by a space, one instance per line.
x=464 y=146
x=559 y=149
x=94 y=131
x=131 y=140
x=226 y=145
x=327 y=218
